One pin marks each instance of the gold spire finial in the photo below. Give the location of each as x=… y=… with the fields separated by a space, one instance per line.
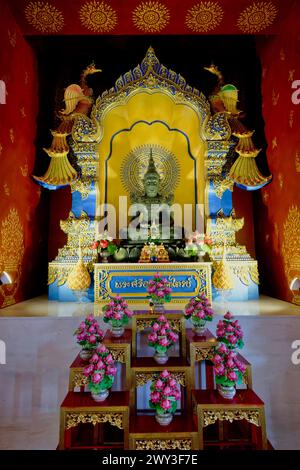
x=222 y=278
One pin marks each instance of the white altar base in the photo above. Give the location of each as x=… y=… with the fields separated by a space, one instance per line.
x=42 y=307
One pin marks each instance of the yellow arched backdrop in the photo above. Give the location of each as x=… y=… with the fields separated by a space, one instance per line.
x=152 y=117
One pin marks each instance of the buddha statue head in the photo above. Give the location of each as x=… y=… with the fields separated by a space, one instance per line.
x=151 y=179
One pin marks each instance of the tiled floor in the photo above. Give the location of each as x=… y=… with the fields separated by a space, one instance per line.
x=39 y=350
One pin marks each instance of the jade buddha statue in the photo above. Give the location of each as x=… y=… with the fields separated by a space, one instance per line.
x=154 y=208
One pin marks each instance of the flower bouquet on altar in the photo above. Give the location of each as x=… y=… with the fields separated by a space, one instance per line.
x=100 y=373
x=159 y=292
x=199 y=310
x=105 y=246
x=229 y=332
x=118 y=314
x=198 y=244
x=163 y=398
x=88 y=335
x=161 y=338
x=229 y=371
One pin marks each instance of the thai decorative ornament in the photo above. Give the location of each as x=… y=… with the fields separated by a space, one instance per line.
x=78 y=102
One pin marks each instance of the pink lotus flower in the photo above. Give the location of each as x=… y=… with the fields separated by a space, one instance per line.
x=100 y=364
x=160 y=294
x=166 y=405
x=162 y=319
x=230 y=364
x=94 y=358
x=167 y=391
x=152 y=337
x=82 y=325
x=232 y=339
x=102 y=349
x=172 y=383
x=155 y=327
x=109 y=359
x=176 y=394
x=118 y=316
x=220 y=369
x=222 y=349
x=111 y=370
x=155 y=397
x=92 y=339
x=96 y=378
x=159 y=384
x=163 y=342
x=165 y=374
x=92 y=329
x=88 y=370
x=217 y=359
x=163 y=331
x=232 y=376
x=228 y=316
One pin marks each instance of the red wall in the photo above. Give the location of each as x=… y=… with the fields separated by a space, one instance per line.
x=23 y=211
x=277 y=206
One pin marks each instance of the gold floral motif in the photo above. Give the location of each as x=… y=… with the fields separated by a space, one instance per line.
x=202 y=354
x=257 y=17
x=297 y=162
x=24 y=169
x=11 y=253
x=44 y=17
x=12 y=38
x=144 y=377
x=146 y=323
x=291 y=75
x=26 y=78
x=1 y=148
x=265 y=195
x=274 y=143
x=163 y=444
x=118 y=355
x=204 y=16
x=222 y=184
x=291 y=244
x=98 y=16
x=6 y=189
x=12 y=135
x=282 y=54
x=211 y=416
x=79 y=380
x=280 y=180
x=22 y=111
x=73 y=419
x=291 y=118
x=151 y=17
x=275 y=97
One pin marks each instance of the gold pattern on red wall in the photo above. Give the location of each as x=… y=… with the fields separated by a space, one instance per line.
x=274 y=143
x=12 y=38
x=291 y=118
x=22 y=111
x=6 y=189
x=1 y=148
x=98 y=16
x=282 y=54
x=44 y=17
x=24 y=170
x=11 y=252
x=257 y=17
x=151 y=17
x=275 y=97
x=280 y=180
x=26 y=78
x=291 y=75
x=204 y=16
x=291 y=244
x=297 y=162
x=12 y=135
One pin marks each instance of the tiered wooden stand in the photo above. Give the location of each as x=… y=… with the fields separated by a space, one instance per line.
x=204 y=418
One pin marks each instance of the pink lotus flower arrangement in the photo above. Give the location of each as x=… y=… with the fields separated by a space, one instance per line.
x=229 y=332
x=89 y=333
x=164 y=394
x=162 y=336
x=101 y=370
x=228 y=369
x=117 y=312
x=199 y=310
x=158 y=289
